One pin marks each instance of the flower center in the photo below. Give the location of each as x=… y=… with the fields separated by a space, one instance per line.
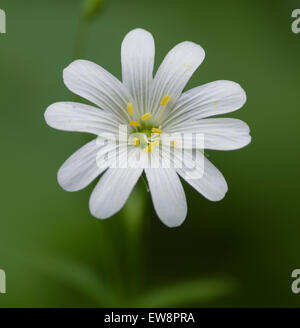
x=146 y=135
x=146 y=139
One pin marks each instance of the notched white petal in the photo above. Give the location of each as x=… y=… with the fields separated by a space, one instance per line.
x=70 y=116
x=97 y=85
x=112 y=191
x=212 y=185
x=167 y=195
x=214 y=98
x=175 y=71
x=218 y=133
x=137 y=54
x=80 y=169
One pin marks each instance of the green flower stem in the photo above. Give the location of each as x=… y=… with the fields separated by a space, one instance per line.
x=90 y=10
x=80 y=40
x=133 y=220
x=110 y=261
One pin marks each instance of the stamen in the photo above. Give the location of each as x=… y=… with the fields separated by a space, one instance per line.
x=155 y=143
x=134 y=123
x=146 y=116
x=173 y=143
x=136 y=141
x=155 y=130
x=130 y=109
x=165 y=100
x=151 y=146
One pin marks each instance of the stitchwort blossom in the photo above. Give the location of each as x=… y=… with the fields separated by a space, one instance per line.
x=156 y=114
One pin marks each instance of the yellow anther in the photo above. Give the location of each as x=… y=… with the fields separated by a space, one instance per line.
x=130 y=109
x=155 y=130
x=151 y=146
x=146 y=116
x=136 y=141
x=134 y=123
x=165 y=100
x=173 y=143
x=155 y=143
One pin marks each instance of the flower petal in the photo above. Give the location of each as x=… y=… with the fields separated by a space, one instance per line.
x=112 y=191
x=70 y=116
x=219 y=133
x=211 y=185
x=167 y=195
x=79 y=170
x=174 y=73
x=137 y=55
x=95 y=84
x=214 y=98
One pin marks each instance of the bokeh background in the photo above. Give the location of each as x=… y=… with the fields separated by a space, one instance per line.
x=238 y=252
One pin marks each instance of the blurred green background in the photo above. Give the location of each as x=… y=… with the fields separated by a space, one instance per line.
x=237 y=252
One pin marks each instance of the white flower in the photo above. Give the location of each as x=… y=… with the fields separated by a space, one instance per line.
x=150 y=108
